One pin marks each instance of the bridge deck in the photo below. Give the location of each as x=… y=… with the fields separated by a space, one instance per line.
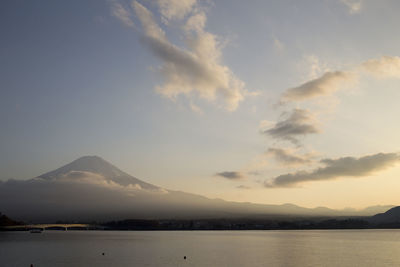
x=46 y=226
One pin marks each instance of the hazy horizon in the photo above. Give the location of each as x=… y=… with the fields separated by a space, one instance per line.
x=90 y=188
x=267 y=102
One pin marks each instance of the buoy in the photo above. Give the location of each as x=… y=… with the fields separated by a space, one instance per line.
x=184 y=257
x=102 y=253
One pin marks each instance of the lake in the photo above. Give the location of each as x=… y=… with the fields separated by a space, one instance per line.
x=202 y=248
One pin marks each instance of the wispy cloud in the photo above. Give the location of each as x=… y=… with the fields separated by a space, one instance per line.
x=197 y=69
x=278 y=44
x=332 y=81
x=354 y=6
x=288 y=157
x=341 y=167
x=384 y=67
x=328 y=83
x=299 y=123
x=231 y=175
x=121 y=13
x=315 y=66
x=175 y=9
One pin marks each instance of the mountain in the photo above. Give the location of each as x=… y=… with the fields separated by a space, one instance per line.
x=95 y=164
x=5 y=221
x=376 y=209
x=90 y=188
x=390 y=216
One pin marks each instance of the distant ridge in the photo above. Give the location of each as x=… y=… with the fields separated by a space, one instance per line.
x=390 y=216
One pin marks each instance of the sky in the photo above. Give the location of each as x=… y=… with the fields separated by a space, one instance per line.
x=262 y=101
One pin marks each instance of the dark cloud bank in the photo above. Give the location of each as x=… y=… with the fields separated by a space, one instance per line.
x=230 y=175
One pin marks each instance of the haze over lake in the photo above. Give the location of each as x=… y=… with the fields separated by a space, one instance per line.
x=202 y=248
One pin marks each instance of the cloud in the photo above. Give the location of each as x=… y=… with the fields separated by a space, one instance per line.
x=299 y=123
x=86 y=177
x=230 y=175
x=384 y=67
x=354 y=6
x=332 y=81
x=118 y=11
x=314 y=65
x=95 y=179
x=288 y=157
x=196 y=70
x=278 y=44
x=195 y=108
x=197 y=22
x=83 y=195
x=151 y=28
x=265 y=124
x=335 y=168
x=175 y=9
x=328 y=83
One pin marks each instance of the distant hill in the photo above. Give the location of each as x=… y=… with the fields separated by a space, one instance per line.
x=5 y=221
x=90 y=188
x=390 y=216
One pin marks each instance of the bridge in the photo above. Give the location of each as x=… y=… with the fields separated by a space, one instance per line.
x=54 y=226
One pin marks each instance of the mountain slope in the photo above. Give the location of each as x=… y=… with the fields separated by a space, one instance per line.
x=95 y=164
x=390 y=216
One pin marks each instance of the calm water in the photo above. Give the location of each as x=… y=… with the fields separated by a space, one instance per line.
x=202 y=248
